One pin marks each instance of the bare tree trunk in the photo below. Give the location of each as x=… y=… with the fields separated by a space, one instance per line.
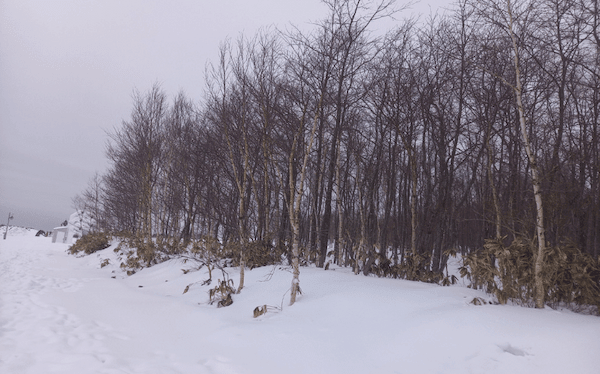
x=493 y=186
x=243 y=244
x=340 y=241
x=413 y=200
x=360 y=255
x=295 y=199
x=539 y=296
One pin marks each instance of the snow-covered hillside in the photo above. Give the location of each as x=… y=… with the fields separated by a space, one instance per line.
x=18 y=231
x=63 y=314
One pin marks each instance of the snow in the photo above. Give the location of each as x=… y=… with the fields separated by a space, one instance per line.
x=18 y=231
x=64 y=314
x=80 y=223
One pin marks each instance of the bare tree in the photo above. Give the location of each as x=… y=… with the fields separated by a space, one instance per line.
x=91 y=200
x=512 y=18
x=229 y=108
x=301 y=98
x=136 y=151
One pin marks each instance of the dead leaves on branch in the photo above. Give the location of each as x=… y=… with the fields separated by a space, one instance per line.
x=222 y=293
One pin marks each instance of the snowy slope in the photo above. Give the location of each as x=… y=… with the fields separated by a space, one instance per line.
x=18 y=231
x=62 y=314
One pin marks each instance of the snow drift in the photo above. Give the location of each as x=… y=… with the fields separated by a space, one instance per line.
x=64 y=314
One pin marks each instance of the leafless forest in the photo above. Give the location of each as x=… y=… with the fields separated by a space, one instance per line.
x=476 y=133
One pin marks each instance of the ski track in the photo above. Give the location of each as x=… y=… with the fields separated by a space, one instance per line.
x=39 y=337
x=54 y=339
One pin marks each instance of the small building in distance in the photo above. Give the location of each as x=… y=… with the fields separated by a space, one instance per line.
x=78 y=224
x=61 y=235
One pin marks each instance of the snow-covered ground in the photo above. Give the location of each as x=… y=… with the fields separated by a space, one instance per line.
x=17 y=231
x=62 y=314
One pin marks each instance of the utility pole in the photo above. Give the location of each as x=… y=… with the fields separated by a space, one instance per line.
x=10 y=216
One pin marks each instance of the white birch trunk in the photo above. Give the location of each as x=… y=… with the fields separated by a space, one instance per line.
x=295 y=199
x=539 y=296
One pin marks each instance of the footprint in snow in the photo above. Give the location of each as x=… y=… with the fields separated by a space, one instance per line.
x=507 y=348
x=219 y=364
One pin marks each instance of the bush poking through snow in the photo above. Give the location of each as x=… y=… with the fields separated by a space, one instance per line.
x=90 y=243
x=479 y=301
x=413 y=266
x=222 y=293
x=449 y=280
x=570 y=277
x=225 y=302
x=263 y=309
x=257 y=253
x=139 y=253
x=206 y=252
x=259 y=311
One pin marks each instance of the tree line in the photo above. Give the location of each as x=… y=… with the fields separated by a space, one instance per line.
x=344 y=146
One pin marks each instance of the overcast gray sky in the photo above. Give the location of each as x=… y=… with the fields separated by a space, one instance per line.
x=68 y=69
